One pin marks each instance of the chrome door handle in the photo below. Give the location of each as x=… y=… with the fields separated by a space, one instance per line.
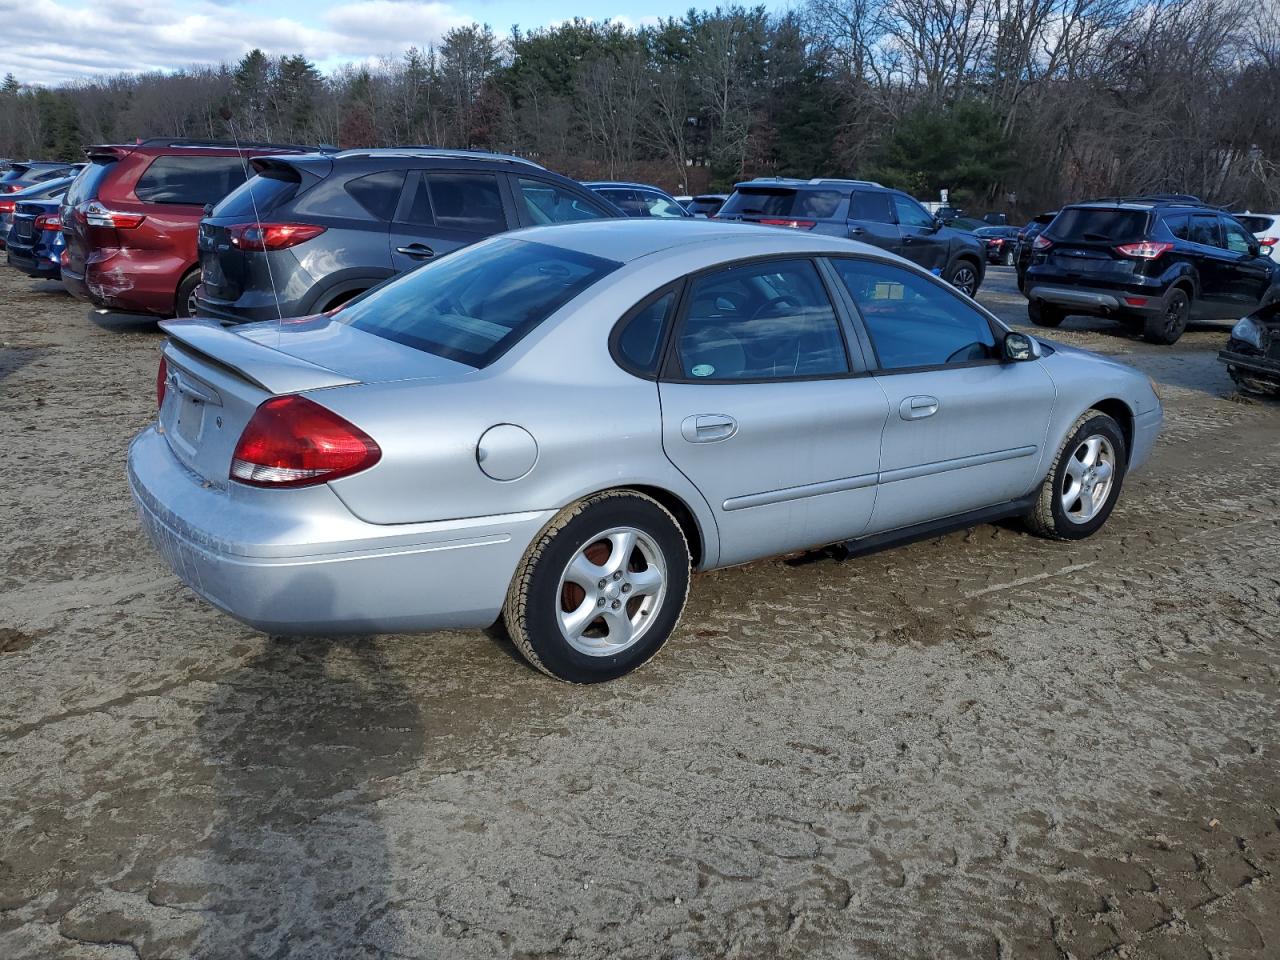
x=417 y=250
x=708 y=427
x=917 y=408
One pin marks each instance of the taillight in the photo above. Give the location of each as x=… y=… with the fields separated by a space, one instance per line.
x=1144 y=249
x=48 y=221
x=271 y=236
x=6 y=206
x=1042 y=242
x=10 y=187
x=792 y=224
x=1268 y=241
x=294 y=442
x=64 y=258
x=162 y=381
x=96 y=215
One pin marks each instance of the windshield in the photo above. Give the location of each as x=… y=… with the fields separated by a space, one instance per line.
x=1108 y=224
x=474 y=305
x=817 y=204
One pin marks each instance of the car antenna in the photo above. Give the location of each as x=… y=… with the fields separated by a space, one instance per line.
x=225 y=114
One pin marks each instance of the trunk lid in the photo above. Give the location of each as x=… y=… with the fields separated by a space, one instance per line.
x=218 y=377
x=1085 y=240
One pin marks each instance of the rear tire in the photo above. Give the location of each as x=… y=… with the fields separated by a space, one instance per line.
x=601 y=588
x=1007 y=258
x=1084 y=483
x=184 y=302
x=1045 y=314
x=1166 y=327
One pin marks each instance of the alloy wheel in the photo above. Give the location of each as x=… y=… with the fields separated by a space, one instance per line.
x=1088 y=478
x=611 y=591
x=965 y=280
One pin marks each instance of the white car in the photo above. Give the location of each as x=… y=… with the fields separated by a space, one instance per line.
x=1266 y=227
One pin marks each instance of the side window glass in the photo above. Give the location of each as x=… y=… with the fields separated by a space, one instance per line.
x=656 y=205
x=626 y=201
x=378 y=192
x=640 y=340
x=1204 y=230
x=864 y=205
x=913 y=321
x=467 y=201
x=189 y=180
x=1238 y=241
x=1179 y=226
x=764 y=321
x=910 y=213
x=550 y=203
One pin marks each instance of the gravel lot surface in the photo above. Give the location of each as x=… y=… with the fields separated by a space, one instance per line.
x=985 y=745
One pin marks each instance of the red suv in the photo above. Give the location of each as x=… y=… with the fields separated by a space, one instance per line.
x=132 y=215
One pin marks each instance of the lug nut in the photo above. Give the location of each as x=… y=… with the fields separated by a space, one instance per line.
x=601 y=584
x=617 y=575
x=616 y=604
x=600 y=602
x=626 y=588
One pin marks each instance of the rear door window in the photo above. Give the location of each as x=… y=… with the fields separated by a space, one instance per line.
x=866 y=205
x=762 y=321
x=550 y=203
x=466 y=201
x=190 y=180
x=1099 y=224
x=625 y=200
x=378 y=193
x=656 y=205
x=1198 y=228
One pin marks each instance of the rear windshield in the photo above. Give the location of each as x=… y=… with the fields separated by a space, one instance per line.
x=1254 y=224
x=1099 y=223
x=474 y=305
x=704 y=204
x=755 y=202
x=263 y=193
x=85 y=186
x=190 y=180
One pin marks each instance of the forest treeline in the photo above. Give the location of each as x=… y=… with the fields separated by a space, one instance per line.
x=1010 y=104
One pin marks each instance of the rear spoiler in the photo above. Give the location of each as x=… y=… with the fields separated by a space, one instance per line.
x=315 y=165
x=270 y=369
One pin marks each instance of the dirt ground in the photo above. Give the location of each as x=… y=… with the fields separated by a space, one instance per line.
x=985 y=745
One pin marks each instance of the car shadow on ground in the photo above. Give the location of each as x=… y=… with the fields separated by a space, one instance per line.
x=302 y=740
x=115 y=322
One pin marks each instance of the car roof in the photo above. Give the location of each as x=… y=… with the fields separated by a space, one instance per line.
x=593 y=184
x=439 y=153
x=816 y=182
x=631 y=239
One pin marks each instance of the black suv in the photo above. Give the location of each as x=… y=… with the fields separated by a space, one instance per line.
x=1152 y=263
x=866 y=211
x=310 y=232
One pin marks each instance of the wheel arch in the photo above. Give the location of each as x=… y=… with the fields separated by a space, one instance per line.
x=684 y=515
x=1121 y=413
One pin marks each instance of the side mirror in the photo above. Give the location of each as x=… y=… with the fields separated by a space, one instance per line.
x=208 y=209
x=937 y=224
x=1018 y=347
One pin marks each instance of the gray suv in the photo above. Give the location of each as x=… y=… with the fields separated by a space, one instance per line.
x=312 y=231
x=866 y=211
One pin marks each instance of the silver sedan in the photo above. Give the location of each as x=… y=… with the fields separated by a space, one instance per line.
x=556 y=426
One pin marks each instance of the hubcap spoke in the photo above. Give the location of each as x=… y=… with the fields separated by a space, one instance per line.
x=1092 y=446
x=585 y=574
x=624 y=544
x=1075 y=470
x=578 y=620
x=619 y=624
x=646 y=582
x=1102 y=472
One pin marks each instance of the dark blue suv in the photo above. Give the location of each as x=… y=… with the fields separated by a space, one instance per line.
x=1152 y=263
x=866 y=211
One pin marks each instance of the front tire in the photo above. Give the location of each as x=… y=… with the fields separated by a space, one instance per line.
x=601 y=588
x=1166 y=327
x=963 y=275
x=1045 y=314
x=1084 y=483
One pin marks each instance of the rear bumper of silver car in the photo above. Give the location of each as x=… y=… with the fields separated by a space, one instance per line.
x=309 y=566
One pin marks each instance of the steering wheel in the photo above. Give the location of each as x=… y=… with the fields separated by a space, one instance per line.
x=780 y=301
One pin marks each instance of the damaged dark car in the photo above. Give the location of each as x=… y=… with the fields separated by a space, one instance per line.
x=1252 y=355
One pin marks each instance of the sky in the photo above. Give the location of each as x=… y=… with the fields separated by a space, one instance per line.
x=52 y=42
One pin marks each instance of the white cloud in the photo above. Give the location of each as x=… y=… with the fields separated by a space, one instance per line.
x=53 y=41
